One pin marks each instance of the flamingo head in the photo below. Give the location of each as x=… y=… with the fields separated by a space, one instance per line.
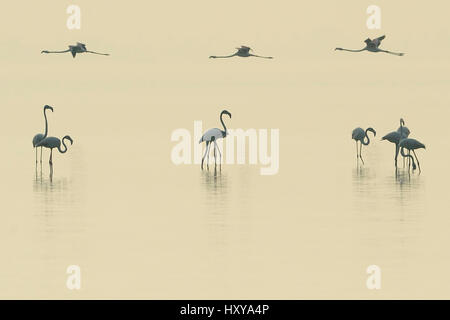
x=373 y=131
x=47 y=107
x=225 y=112
x=68 y=138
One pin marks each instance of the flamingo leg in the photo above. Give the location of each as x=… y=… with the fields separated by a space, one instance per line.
x=41 y=154
x=360 y=153
x=206 y=150
x=409 y=161
x=357 y=155
x=220 y=154
x=417 y=159
x=207 y=158
x=409 y=152
x=396 y=154
x=215 y=157
x=51 y=157
x=36 y=154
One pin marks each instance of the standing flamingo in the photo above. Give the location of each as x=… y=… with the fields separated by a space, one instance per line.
x=211 y=136
x=396 y=136
x=244 y=52
x=78 y=48
x=372 y=46
x=411 y=145
x=53 y=142
x=404 y=131
x=359 y=134
x=39 y=137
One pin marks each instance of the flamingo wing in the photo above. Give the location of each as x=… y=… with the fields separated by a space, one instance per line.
x=244 y=49
x=405 y=131
x=210 y=134
x=358 y=134
x=393 y=137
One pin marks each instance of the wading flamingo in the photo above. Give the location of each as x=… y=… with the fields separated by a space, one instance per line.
x=411 y=145
x=396 y=136
x=39 y=137
x=211 y=136
x=53 y=142
x=359 y=134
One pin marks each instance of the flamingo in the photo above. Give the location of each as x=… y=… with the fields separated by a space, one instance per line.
x=372 y=46
x=396 y=136
x=211 y=136
x=53 y=142
x=39 y=137
x=359 y=134
x=405 y=132
x=244 y=52
x=411 y=145
x=78 y=48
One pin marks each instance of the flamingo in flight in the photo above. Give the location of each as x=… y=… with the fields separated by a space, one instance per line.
x=39 y=137
x=211 y=136
x=372 y=46
x=243 y=52
x=411 y=145
x=359 y=134
x=52 y=143
x=78 y=48
x=396 y=136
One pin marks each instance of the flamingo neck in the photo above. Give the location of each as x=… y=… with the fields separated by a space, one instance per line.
x=225 y=132
x=366 y=136
x=350 y=50
x=46 y=124
x=65 y=147
x=402 y=152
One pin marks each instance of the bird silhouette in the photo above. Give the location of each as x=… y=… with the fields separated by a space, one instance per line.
x=359 y=134
x=53 y=142
x=411 y=145
x=211 y=136
x=78 y=48
x=244 y=52
x=396 y=136
x=372 y=46
x=39 y=137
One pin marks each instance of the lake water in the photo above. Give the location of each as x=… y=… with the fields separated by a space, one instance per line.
x=140 y=226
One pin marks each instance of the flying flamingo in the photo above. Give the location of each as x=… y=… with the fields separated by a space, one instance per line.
x=53 y=142
x=78 y=48
x=396 y=136
x=411 y=145
x=372 y=46
x=244 y=52
x=211 y=136
x=39 y=137
x=359 y=134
